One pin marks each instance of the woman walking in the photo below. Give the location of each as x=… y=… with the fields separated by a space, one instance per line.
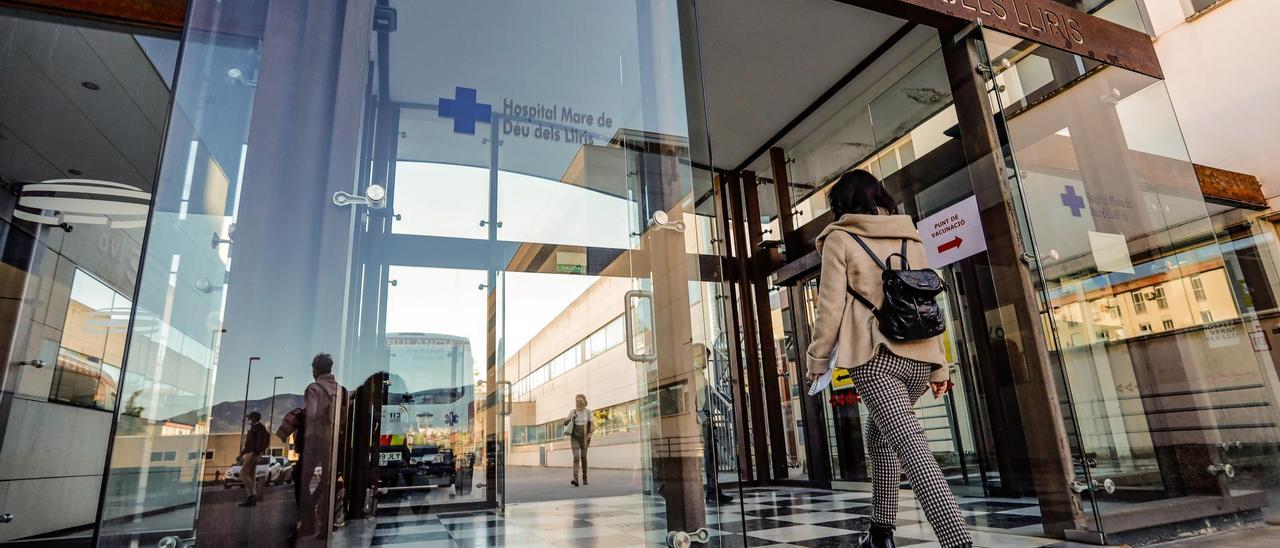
x=890 y=374
x=579 y=426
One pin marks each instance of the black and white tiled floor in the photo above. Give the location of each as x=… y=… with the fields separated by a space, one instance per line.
x=782 y=517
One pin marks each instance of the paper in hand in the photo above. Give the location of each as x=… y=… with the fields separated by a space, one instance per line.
x=822 y=383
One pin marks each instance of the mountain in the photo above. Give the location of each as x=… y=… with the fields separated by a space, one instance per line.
x=226 y=417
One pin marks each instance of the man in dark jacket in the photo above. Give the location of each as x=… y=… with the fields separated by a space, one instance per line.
x=255 y=444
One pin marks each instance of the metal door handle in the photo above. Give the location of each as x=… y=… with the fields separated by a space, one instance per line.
x=1094 y=486
x=681 y=539
x=629 y=316
x=659 y=221
x=374 y=196
x=175 y=542
x=1228 y=470
x=1107 y=485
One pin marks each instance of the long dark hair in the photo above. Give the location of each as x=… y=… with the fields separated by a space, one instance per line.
x=860 y=192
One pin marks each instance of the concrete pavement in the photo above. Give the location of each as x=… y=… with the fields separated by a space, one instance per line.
x=536 y=484
x=1253 y=537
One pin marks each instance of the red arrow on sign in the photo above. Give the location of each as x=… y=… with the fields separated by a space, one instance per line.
x=953 y=244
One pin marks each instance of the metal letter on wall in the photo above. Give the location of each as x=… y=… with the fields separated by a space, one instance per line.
x=1042 y=21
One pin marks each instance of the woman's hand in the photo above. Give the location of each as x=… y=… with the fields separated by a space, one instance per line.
x=940 y=388
x=812 y=377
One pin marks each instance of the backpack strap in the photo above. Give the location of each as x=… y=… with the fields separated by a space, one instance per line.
x=866 y=248
x=858 y=297
x=902 y=256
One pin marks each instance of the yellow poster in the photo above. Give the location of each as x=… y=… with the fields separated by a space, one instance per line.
x=841 y=379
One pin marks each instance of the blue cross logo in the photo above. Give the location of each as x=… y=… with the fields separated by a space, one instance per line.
x=1072 y=200
x=451 y=418
x=464 y=110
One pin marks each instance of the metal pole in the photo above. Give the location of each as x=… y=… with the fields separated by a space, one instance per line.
x=245 y=413
x=272 y=415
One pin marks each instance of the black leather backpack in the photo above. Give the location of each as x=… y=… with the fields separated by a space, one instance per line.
x=910 y=309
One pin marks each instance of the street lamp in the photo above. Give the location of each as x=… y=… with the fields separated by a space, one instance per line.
x=272 y=415
x=247 y=375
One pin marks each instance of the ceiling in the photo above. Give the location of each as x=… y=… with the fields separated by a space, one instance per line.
x=53 y=122
x=765 y=61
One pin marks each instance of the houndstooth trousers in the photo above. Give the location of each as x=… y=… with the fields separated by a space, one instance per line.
x=889 y=385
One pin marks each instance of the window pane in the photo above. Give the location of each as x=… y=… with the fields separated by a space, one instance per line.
x=615 y=333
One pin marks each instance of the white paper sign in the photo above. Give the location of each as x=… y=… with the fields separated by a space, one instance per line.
x=1259 y=341
x=1110 y=252
x=953 y=233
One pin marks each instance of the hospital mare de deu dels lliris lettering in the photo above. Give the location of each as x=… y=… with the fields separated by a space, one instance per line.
x=1028 y=14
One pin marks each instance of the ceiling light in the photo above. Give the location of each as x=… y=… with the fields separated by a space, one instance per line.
x=84 y=201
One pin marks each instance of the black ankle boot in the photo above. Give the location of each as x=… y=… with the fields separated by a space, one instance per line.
x=879 y=536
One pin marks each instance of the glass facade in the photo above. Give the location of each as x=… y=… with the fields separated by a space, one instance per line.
x=82 y=119
x=1165 y=374
x=474 y=237
x=338 y=273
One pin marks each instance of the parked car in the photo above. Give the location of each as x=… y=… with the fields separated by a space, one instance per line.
x=267 y=472
x=286 y=470
x=431 y=465
x=393 y=465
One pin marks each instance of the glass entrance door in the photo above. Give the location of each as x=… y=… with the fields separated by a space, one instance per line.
x=452 y=266
x=1162 y=381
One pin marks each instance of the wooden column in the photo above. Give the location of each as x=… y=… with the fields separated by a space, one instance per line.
x=741 y=433
x=746 y=310
x=815 y=431
x=758 y=285
x=782 y=189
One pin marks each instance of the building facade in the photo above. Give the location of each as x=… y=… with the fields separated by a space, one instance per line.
x=477 y=212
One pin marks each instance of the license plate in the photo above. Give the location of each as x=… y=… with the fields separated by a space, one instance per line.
x=386 y=458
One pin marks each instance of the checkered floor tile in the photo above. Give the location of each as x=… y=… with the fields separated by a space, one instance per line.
x=761 y=517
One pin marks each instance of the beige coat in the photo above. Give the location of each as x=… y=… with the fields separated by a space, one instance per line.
x=847 y=326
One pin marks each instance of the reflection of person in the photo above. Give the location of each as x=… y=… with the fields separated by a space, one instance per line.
x=706 y=418
x=319 y=405
x=255 y=444
x=1006 y=350
x=293 y=424
x=889 y=375
x=580 y=428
